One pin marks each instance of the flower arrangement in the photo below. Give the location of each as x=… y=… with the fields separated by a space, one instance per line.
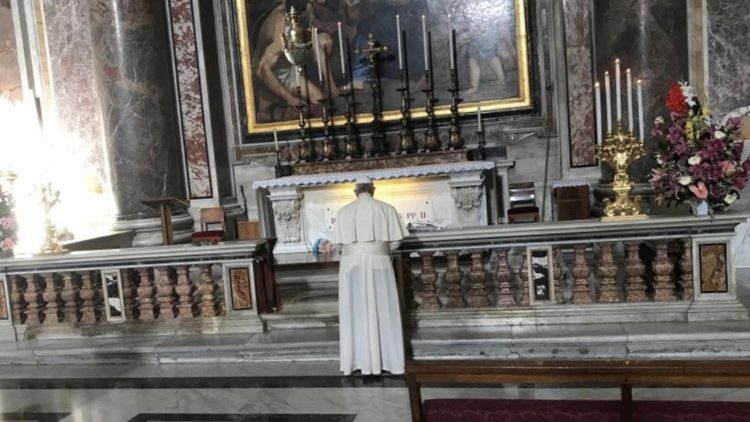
x=8 y=225
x=698 y=158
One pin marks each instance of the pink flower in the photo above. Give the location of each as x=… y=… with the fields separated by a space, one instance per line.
x=728 y=168
x=7 y=222
x=699 y=190
x=8 y=244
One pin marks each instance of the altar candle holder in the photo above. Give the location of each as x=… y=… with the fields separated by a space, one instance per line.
x=330 y=149
x=297 y=42
x=406 y=144
x=481 y=151
x=432 y=137
x=372 y=54
x=619 y=149
x=455 y=141
x=351 y=143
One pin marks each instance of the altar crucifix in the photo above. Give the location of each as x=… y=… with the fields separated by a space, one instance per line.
x=373 y=55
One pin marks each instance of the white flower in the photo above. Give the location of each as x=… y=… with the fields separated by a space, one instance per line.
x=694 y=160
x=659 y=160
x=659 y=120
x=730 y=198
x=685 y=180
x=719 y=134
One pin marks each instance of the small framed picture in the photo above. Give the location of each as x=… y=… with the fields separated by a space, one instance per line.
x=239 y=279
x=539 y=261
x=112 y=288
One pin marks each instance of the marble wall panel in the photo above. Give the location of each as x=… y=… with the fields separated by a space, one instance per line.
x=10 y=77
x=728 y=60
x=578 y=45
x=650 y=37
x=190 y=98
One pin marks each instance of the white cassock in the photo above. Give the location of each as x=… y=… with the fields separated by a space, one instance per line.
x=370 y=336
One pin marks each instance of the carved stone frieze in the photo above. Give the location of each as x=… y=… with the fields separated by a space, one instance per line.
x=287 y=218
x=468 y=200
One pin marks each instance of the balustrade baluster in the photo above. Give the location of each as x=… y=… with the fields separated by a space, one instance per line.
x=166 y=294
x=608 y=291
x=146 y=296
x=51 y=296
x=17 y=304
x=69 y=295
x=128 y=298
x=581 y=273
x=478 y=293
x=185 y=289
x=686 y=267
x=662 y=268
x=557 y=279
x=503 y=276
x=32 y=296
x=635 y=268
x=88 y=296
x=523 y=289
x=429 y=277
x=453 y=276
x=206 y=292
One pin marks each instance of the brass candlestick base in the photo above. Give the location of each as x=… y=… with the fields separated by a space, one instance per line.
x=620 y=148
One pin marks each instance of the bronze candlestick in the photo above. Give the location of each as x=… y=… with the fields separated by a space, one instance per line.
x=372 y=54
x=455 y=141
x=330 y=149
x=351 y=143
x=432 y=137
x=406 y=143
x=297 y=42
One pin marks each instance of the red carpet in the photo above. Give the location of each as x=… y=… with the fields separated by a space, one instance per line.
x=472 y=410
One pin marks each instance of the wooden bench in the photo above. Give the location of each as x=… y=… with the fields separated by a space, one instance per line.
x=601 y=372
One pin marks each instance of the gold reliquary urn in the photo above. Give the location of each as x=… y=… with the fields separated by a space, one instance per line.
x=619 y=149
x=296 y=40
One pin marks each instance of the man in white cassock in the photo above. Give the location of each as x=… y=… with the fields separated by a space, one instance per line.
x=370 y=337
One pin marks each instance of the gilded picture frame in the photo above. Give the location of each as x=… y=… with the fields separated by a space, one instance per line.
x=492 y=45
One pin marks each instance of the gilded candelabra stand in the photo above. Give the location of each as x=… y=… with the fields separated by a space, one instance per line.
x=620 y=148
x=52 y=241
x=297 y=42
x=351 y=142
x=406 y=136
x=372 y=54
x=432 y=137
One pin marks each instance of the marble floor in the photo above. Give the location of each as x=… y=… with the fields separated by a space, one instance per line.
x=265 y=392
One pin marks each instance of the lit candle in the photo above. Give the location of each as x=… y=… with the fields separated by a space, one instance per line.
x=424 y=39
x=640 y=109
x=479 y=119
x=598 y=107
x=276 y=140
x=398 y=36
x=317 y=54
x=617 y=89
x=609 y=101
x=629 y=80
x=452 y=46
x=341 y=50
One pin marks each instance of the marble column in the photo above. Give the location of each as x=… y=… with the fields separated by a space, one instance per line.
x=135 y=86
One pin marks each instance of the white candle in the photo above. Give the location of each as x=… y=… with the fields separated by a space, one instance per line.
x=609 y=101
x=617 y=89
x=479 y=119
x=598 y=107
x=317 y=54
x=629 y=79
x=341 y=50
x=640 y=109
x=276 y=140
x=296 y=77
x=398 y=37
x=451 y=46
x=424 y=39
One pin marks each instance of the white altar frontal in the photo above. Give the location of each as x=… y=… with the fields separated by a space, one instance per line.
x=430 y=197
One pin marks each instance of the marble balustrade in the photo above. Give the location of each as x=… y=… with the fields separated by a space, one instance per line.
x=180 y=288
x=663 y=268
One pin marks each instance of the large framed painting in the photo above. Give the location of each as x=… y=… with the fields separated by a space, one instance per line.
x=491 y=48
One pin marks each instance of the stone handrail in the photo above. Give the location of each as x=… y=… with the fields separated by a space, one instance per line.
x=179 y=288
x=661 y=268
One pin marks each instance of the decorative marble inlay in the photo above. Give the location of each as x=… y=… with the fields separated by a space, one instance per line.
x=578 y=45
x=241 y=293
x=728 y=61
x=713 y=270
x=190 y=97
